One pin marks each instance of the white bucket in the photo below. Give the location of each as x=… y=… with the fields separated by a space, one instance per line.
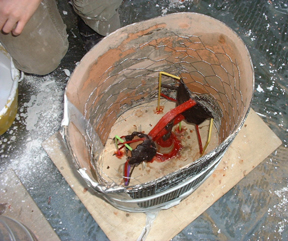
x=9 y=77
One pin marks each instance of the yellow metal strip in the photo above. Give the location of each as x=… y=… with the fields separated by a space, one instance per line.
x=159 y=83
x=209 y=135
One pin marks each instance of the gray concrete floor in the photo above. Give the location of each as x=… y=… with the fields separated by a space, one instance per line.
x=255 y=209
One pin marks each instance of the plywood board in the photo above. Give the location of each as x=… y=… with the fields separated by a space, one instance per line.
x=19 y=205
x=252 y=145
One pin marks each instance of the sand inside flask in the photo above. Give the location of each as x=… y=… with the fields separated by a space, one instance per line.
x=143 y=118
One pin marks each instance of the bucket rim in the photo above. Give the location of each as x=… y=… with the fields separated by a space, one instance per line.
x=15 y=75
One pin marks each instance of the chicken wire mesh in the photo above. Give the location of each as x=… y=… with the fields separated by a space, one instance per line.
x=121 y=72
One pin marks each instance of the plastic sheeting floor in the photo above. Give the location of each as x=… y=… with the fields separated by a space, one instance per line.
x=256 y=208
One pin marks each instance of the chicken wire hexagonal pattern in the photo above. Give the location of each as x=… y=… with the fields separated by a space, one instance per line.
x=122 y=72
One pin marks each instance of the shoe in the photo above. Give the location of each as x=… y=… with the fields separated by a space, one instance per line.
x=88 y=35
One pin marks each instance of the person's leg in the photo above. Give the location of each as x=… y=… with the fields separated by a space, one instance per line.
x=101 y=16
x=43 y=42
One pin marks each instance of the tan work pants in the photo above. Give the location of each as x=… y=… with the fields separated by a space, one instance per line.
x=43 y=43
